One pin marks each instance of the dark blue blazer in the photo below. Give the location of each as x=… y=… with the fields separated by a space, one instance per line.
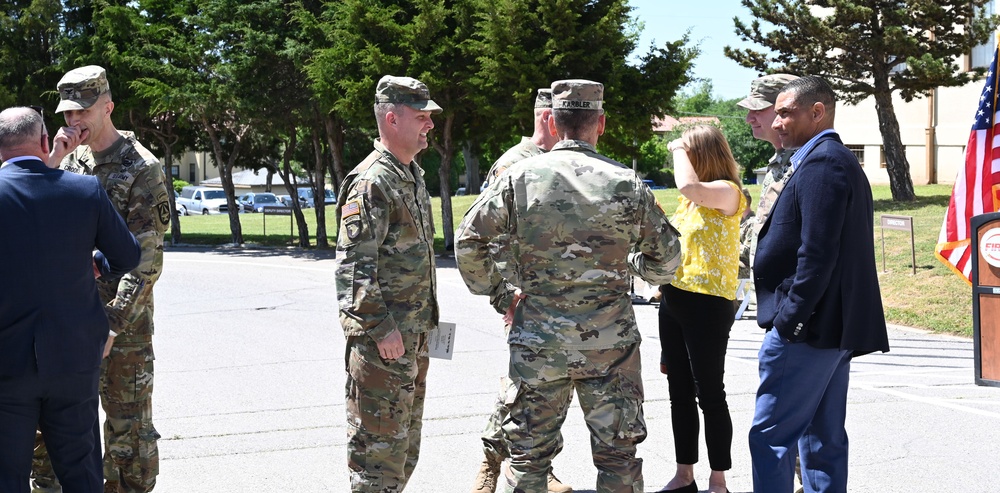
x=814 y=270
x=50 y=312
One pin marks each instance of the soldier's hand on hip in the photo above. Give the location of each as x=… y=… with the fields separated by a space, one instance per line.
x=508 y=318
x=392 y=346
x=107 y=345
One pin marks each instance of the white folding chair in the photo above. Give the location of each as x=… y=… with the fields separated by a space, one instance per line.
x=742 y=294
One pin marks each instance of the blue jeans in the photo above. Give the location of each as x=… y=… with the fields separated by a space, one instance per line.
x=801 y=401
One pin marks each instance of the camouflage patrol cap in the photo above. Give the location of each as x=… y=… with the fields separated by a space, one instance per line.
x=80 y=88
x=544 y=98
x=405 y=90
x=764 y=91
x=577 y=94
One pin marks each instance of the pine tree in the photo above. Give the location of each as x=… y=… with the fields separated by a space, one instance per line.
x=869 y=48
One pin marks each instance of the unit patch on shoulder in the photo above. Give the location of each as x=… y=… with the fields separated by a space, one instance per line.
x=163 y=212
x=353 y=229
x=351 y=219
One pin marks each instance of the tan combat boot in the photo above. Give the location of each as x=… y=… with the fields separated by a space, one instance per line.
x=556 y=486
x=489 y=472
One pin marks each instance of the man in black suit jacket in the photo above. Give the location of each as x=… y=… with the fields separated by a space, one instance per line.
x=817 y=295
x=52 y=321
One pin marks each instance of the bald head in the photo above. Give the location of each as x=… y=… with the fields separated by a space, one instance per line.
x=22 y=133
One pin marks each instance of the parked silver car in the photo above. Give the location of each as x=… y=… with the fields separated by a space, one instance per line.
x=201 y=200
x=306 y=197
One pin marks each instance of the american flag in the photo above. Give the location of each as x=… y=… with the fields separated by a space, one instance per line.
x=977 y=186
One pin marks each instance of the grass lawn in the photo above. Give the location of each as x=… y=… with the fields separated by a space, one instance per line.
x=214 y=229
x=934 y=298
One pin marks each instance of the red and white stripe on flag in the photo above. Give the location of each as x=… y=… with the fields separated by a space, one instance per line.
x=977 y=186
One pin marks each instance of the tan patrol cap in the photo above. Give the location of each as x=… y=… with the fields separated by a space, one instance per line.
x=405 y=90
x=577 y=94
x=544 y=98
x=80 y=88
x=764 y=91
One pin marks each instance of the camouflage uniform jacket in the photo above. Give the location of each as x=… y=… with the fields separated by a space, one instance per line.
x=135 y=183
x=385 y=249
x=523 y=150
x=770 y=188
x=571 y=226
x=746 y=242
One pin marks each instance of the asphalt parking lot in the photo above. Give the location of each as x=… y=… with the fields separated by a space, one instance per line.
x=249 y=391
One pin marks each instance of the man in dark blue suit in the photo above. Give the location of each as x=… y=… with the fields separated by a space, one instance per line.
x=817 y=295
x=52 y=322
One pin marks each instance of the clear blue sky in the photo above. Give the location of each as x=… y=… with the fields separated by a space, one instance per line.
x=711 y=25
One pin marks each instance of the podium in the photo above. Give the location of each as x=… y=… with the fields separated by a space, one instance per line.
x=985 y=248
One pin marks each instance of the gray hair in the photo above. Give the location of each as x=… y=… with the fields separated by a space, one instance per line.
x=382 y=109
x=20 y=125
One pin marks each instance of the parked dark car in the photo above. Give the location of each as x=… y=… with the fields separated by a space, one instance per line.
x=653 y=186
x=286 y=200
x=255 y=202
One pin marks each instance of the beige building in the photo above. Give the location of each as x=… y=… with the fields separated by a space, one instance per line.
x=940 y=123
x=195 y=167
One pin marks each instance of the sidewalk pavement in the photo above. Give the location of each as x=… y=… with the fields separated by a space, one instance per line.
x=250 y=385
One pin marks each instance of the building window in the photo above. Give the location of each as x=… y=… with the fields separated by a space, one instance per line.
x=882 y=155
x=859 y=152
x=175 y=171
x=982 y=55
x=192 y=170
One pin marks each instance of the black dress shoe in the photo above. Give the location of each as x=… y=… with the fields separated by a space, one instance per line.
x=691 y=488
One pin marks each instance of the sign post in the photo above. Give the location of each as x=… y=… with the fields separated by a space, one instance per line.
x=986 y=297
x=899 y=223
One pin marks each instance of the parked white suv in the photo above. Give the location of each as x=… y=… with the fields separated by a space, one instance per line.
x=201 y=200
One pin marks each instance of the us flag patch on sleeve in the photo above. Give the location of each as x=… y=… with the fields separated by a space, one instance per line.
x=351 y=208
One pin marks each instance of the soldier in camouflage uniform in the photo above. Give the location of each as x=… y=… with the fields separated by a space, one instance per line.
x=571 y=225
x=135 y=184
x=760 y=114
x=494 y=450
x=387 y=291
x=747 y=223
x=540 y=141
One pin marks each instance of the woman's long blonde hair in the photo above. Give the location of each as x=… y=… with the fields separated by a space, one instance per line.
x=710 y=154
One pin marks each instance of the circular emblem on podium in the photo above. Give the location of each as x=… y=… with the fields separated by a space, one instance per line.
x=989 y=247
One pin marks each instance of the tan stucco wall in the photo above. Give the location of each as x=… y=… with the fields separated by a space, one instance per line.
x=954 y=108
x=201 y=162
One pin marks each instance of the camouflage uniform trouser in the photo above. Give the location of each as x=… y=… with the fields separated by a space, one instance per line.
x=493 y=444
x=385 y=405
x=131 y=457
x=608 y=383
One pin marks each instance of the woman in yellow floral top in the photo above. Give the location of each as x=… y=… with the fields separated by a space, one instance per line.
x=696 y=311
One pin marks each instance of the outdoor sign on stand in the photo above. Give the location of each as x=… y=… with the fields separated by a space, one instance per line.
x=899 y=223
x=986 y=297
x=277 y=210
